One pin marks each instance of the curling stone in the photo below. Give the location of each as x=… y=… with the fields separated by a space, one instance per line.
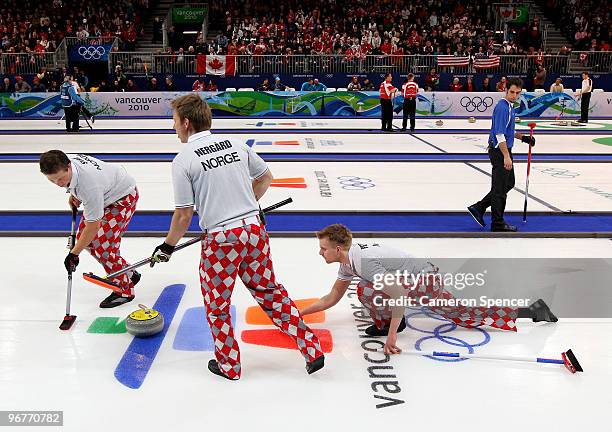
x=439 y=122
x=562 y=123
x=472 y=120
x=144 y=322
x=517 y=119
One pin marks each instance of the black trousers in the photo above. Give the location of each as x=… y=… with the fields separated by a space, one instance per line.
x=502 y=182
x=71 y=115
x=386 y=113
x=409 y=111
x=584 y=107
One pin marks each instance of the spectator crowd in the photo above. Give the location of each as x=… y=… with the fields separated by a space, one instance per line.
x=351 y=29
x=360 y=27
x=586 y=23
x=32 y=26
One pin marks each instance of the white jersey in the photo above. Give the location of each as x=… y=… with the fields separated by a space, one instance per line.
x=97 y=184
x=215 y=173
x=586 y=86
x=368 y=260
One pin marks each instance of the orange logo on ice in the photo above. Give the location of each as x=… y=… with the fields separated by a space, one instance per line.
x=277 y=339
x=291 y=182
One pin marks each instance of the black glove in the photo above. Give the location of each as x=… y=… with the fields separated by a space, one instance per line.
x=162 y=253
x=528 y=140
x=71 y=262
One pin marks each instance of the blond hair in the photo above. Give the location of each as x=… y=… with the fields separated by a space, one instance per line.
x=337 y=233
x=194 y=108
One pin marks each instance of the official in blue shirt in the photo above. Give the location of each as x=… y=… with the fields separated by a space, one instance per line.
x=308 y=85
x=72 y=102
x=501 y=141
x=317 y=86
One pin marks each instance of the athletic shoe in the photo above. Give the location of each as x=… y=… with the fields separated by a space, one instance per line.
x=541 y=312
x=213 y=366
x=115 y=300
x=375 y=331
x=503 y=228
x=478 y=217
x=135 y=277
x=315 y=365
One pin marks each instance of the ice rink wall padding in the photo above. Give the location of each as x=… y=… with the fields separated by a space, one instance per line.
x=304 y=104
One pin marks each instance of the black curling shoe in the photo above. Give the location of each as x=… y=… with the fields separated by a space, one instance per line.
x=213 y=366
x=315 y=365
x=541 y=312
x=375 y=331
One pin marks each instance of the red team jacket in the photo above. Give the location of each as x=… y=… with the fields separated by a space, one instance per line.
x=410 y=90
x=386 y=90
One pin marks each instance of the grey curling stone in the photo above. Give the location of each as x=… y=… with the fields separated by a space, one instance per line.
x=144 y=322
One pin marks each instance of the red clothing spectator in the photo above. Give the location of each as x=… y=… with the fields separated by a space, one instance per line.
x=456 y=86
x=260 y=49
x=232 y=49
x=349 y=55
x=397 y=54
x=470 y=85
x=366 y=47
x=432 y=80
x=386 y=47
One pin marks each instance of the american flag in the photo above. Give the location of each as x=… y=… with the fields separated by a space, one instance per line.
x=486 y=62
x=451 y=60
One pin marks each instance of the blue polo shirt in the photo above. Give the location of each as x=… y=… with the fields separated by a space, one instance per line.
x=69 y=96
x=502 y=124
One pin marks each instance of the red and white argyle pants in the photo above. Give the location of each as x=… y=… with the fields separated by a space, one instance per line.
x=502 y=318
x=105 y=246
x=245 y=252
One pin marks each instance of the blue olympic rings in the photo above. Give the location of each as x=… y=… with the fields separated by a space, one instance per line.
x=439 y=334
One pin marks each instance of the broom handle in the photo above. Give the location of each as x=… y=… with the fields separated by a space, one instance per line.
x=148 y=259
x=444 y=354
x=188 y=243
x=71 y=241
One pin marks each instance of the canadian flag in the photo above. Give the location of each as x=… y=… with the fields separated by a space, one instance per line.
x=216 y=65
x=508 y=13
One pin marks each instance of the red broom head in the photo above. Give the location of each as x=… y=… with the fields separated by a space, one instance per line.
x=571 y=362
x=103 y=282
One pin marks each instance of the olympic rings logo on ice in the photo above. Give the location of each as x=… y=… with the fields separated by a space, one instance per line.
x=557 y=172
x=440 y=333
x=355 y=183
x=476 y=103
x=92 y=52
